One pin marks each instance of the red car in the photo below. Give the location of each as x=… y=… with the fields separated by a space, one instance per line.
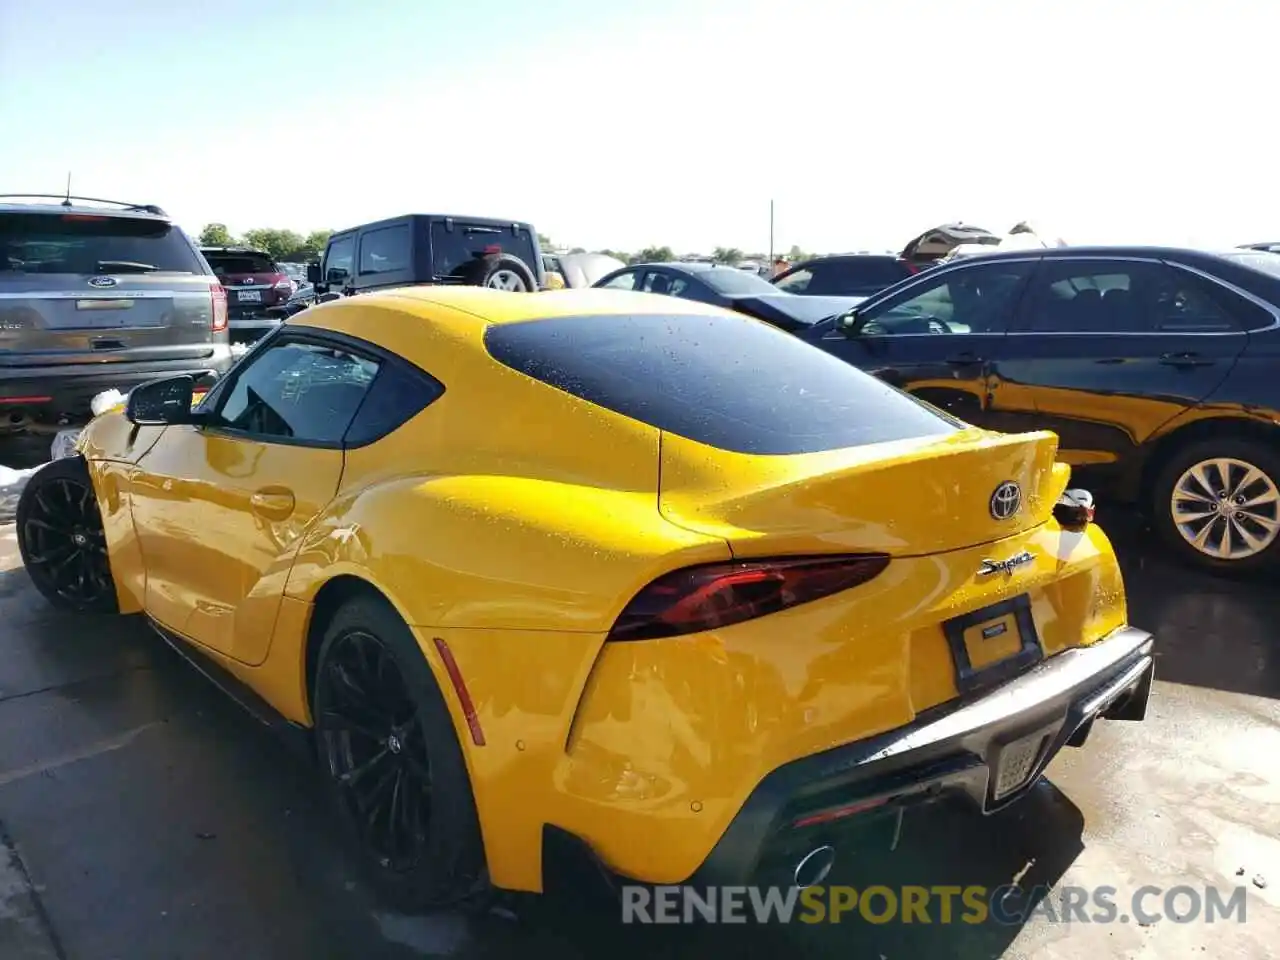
x=254 y=283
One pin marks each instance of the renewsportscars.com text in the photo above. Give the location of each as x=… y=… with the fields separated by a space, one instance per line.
x=1010 y=905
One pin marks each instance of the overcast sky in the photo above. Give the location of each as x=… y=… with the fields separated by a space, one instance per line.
x=622 y=124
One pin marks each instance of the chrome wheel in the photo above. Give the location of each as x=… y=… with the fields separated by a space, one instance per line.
x=64 y=544
x=1226 y=508
x=506 y=280
x=375 y=749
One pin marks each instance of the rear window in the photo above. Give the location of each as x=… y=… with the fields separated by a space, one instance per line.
x=92 y=244
x=452 y=251
x=724 y=381
x=1258 y=260
x=237 y=263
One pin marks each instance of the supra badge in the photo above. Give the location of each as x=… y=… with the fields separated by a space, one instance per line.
x=1005 y=566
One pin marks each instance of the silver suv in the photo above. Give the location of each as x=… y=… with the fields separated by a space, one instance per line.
x=96 y=295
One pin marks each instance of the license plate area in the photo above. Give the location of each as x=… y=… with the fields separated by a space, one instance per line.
x=991 y=645
x=249 y=296
x=1013 y=763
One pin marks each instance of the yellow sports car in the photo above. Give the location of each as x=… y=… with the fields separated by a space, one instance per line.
x=599 y=574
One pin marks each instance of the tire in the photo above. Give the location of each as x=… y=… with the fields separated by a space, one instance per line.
x=400 y=737
x=502 y=271
x=61 y=540
x=1260 y=497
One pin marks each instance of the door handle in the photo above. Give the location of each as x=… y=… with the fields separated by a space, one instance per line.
x=964 y=359
x=1185 y=360
x=272 y=503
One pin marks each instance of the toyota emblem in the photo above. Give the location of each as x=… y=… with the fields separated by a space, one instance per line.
x=1006 y=501
x=102 y=281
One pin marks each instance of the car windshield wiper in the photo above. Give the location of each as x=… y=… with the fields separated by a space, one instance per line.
x=125 y=266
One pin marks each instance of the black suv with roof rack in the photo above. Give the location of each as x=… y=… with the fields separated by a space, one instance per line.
x=98 y=295
x=430 y=248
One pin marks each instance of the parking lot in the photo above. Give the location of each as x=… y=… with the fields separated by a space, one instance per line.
x=148 y=817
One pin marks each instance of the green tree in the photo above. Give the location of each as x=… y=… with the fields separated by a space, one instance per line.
x=278 y=243
x=315 y=243
x=729 y=255
x=545 y=243
x=653 y=255
x=616 y=254
x=216 y=235
x=578 y=250
x=796 y=254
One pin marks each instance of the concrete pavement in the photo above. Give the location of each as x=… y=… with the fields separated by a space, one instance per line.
x=144 y=816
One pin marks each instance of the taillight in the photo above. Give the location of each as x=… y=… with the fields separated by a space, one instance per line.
x=1074 y=509
x=218 y=296
x=720 y=594
x=284 y=283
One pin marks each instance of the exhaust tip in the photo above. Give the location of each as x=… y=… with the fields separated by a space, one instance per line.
x=814 y=867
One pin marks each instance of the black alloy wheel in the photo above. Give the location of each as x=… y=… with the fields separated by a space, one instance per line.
x=61 y=539
x=375 y=749
x=387 y=742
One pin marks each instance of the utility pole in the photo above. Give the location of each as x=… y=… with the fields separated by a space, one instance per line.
x=771 y=260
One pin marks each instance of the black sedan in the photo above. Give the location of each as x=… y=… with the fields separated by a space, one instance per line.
x=730 y=288
x=1155 y=367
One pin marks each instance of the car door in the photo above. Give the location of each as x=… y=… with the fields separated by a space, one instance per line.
x=1110 y=349
x=942 y=338
x=219 y=508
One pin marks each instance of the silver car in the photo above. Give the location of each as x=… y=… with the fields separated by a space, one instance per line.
x=97 y=295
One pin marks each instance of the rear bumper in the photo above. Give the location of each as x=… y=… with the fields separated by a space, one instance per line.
x=958 y=748
x=55 y=393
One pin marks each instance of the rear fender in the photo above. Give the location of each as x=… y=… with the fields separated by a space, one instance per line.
x=469 y=552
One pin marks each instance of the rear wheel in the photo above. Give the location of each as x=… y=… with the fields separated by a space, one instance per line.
x=61 y=539
x=385 y=738
x=1217 y=504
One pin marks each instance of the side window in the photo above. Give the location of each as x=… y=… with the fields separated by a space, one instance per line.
x=798 y=282
x=297 y=391
x=385 y=250
x=623 y=281
x=398 y=394
x=339 y=260
x=1119 y=296
x=665 y=283
x=979 y=299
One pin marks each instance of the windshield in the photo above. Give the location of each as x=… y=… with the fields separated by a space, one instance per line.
x=733 y=282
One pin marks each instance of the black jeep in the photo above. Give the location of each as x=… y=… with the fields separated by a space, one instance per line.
x=428 y=248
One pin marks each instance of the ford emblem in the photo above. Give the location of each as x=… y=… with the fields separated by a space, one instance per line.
x=102 y=281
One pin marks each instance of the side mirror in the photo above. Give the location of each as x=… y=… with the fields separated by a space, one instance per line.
x=313 y=273
x=326 y=297
x=161 y=402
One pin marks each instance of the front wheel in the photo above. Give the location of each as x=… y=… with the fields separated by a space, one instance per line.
x=1216 y=503
x=61 y=539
